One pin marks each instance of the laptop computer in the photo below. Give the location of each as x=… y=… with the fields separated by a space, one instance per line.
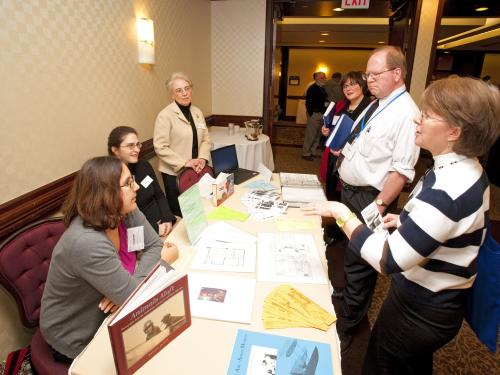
x=225 y=160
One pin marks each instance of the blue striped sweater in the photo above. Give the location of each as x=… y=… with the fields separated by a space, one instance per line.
x=432 y=254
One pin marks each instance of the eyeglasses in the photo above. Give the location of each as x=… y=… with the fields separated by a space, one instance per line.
x=130 y=182
x=181 y=90
x=131 y=146
x=425 y=116
x=375 y=75
x=347 y=85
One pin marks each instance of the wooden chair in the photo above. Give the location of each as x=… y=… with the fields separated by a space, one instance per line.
x=24 y=265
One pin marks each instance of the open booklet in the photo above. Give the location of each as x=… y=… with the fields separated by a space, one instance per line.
x=300 y=188
x=153 y=315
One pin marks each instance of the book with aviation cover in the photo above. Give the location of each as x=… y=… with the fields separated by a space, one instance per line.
x=153 y=315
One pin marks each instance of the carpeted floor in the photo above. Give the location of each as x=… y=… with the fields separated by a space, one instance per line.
x=464 y=355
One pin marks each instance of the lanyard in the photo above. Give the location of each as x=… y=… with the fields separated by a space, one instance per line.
x=376 y=114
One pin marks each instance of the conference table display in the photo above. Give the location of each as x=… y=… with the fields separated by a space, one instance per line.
x=223 y=264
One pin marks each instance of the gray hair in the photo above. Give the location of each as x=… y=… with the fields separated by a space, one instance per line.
x=174 y=77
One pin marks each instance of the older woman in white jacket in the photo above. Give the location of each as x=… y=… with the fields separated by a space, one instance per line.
x=181 y=138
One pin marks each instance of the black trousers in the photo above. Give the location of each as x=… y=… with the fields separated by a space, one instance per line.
x=407 y=333
x=172 y=193
x=360 y=277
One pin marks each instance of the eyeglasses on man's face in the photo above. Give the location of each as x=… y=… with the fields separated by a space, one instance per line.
x=131 y=146
x=181 y=90
x=376 y=75
x=130 y=182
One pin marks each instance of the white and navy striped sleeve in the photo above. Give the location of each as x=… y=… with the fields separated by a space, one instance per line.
x=438 y=232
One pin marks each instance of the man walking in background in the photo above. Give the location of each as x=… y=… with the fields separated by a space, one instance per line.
x=316 y=103
x=333 y=90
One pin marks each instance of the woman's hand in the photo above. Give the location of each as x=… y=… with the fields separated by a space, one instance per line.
x=169 y=252
x=164 y=229
x=196 y=164
x=201 y=165
x=191 y=163
x=106 y=305
x=390 y=221
x=325 y=131
x=335 y=152
x=328 y=209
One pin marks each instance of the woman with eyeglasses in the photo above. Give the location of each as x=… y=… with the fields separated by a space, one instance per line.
x=356 y=100
x=94 y=267
x=356 y=94
x=124 y=144
x=181 y=138
x=431 y=254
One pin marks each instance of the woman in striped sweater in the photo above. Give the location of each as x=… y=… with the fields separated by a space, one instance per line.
x=431 y=254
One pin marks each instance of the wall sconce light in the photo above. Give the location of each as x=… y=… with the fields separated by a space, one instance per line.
x=145 y=41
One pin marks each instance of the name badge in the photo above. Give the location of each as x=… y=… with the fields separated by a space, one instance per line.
x=348 y=151
x=146 y=181
x=135 y=238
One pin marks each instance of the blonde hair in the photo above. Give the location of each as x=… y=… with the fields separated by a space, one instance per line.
x=470 y=104
x=174 y=77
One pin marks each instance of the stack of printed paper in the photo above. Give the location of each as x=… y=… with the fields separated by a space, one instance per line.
x=286 y=307
x=263 y=205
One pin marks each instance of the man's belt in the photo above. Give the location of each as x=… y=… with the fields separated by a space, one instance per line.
x=357 y=188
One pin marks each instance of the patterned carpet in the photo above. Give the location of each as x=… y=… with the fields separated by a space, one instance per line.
x=464 y=355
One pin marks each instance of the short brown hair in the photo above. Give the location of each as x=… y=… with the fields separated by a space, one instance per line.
x=394 y=58
x=117 y=135
x=470 y=104
x=357 y=77
x=96 y=194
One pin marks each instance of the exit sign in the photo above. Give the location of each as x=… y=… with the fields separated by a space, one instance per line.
x=355 y=4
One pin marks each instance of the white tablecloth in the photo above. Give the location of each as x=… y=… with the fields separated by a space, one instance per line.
x=250 y=153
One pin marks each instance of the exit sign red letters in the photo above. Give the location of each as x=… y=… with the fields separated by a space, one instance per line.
x=355 y=4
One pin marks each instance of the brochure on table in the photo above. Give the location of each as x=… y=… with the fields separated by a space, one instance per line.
x=261 y=353
x=289 y=257
x=221 y=297
x=193 y=213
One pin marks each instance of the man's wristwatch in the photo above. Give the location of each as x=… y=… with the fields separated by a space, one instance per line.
x=380 y=202
x=342 y=220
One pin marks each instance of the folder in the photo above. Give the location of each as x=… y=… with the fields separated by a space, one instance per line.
x=328 y=116
x=340 y=133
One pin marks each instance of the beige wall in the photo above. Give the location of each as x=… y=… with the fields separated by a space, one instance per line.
x=491 y=67
x=238 y=41
x=304 y=62
x=423 y=49
x=70 y=74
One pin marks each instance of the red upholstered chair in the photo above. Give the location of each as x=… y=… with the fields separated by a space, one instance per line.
x=24 y=264
x=188 y=177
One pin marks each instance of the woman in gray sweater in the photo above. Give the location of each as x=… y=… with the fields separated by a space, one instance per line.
x=94 y=267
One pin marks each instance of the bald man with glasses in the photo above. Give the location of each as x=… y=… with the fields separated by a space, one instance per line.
x=376 y=163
